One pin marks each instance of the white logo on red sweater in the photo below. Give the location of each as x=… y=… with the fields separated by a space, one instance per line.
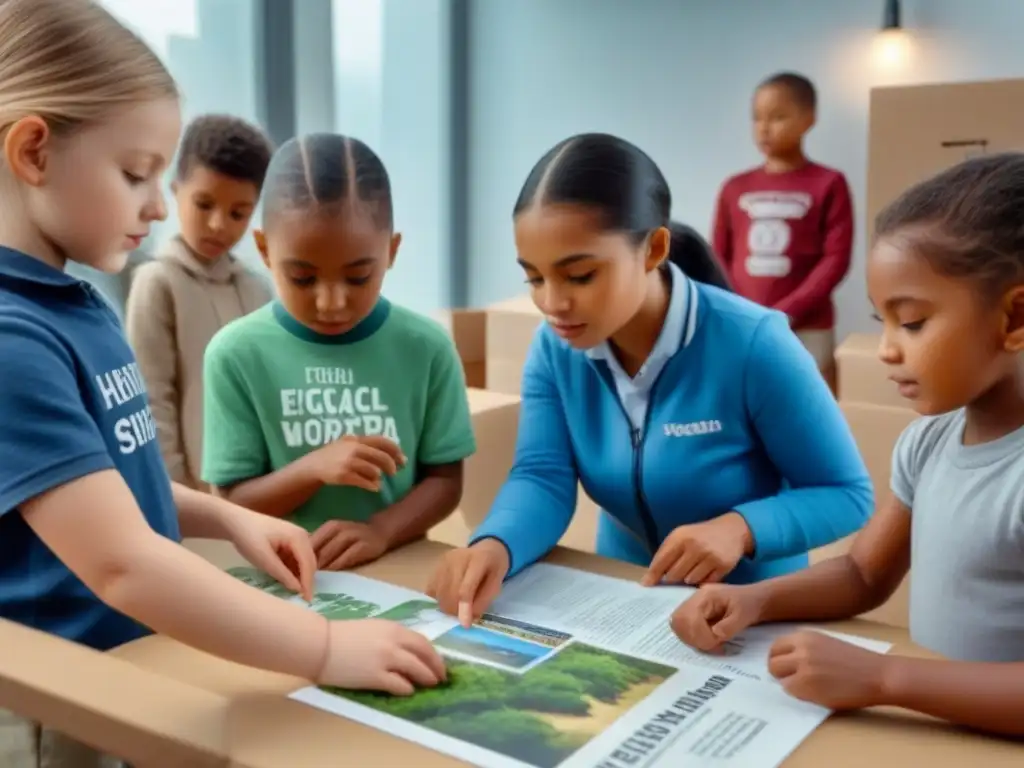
x=770 y=234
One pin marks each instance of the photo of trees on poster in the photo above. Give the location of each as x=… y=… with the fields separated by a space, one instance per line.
x=260 y=580
x=527 y=692
x=336 y=607
x=539 y=717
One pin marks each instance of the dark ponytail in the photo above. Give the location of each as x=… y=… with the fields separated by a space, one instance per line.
x=622 y=183
x=694 y=255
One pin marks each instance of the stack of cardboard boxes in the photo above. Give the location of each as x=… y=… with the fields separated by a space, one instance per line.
x=493 y=344
x=511 y=325
x=876 y=415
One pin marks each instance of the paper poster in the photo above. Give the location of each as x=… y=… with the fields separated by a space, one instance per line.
x=572 y=670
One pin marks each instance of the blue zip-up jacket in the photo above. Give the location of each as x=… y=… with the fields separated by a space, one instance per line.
x=739 y=420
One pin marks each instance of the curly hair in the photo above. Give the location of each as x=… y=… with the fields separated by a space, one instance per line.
x=225 y=144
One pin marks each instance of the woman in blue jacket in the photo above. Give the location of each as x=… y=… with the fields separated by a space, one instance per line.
x=694 y=418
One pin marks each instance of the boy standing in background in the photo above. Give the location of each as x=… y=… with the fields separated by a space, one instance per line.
x=196 y=286
x=784 y=230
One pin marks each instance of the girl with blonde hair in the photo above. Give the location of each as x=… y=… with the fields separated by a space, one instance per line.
x=90 y=524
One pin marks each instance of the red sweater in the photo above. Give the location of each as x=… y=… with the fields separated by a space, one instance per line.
x=786 y=239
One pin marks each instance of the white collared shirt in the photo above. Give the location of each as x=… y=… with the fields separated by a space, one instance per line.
x=677 y=331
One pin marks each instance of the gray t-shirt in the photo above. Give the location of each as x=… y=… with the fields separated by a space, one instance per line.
x=967 y=550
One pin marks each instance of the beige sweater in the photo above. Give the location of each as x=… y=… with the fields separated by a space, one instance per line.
x=175 y=306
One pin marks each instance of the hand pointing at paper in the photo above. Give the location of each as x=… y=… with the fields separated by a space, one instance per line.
x=468 y=579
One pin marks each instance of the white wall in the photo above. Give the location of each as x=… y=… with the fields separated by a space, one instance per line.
x=675 y=78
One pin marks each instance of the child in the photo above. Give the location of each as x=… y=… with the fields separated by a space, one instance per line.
x=335 y=408
x=784 y=230
x=89 y=522
x=946 y=276
x=196 y=286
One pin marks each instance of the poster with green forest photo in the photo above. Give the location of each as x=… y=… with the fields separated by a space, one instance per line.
x=529 y=693
x=540 y=717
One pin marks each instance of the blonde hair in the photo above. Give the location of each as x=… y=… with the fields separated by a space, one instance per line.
x=72 y=63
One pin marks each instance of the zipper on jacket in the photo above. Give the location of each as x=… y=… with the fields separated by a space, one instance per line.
x=643 y=510
x=636 y=437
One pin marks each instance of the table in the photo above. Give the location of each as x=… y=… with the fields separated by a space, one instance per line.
x=262 y=722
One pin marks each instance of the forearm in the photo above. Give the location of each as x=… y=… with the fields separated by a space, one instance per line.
x=428 y=503
x=200 y=515
x=279 y=493
x=179 y=594
x=798 y=520
x=831 y=590
x=530 y=514
x=987 y=697
x=816 y=288
x=536 y=503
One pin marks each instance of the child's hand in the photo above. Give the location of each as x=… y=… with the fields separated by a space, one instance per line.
x=468 y=579
x=372 y=654
x=276 y=547
x=716 y=614
x=357 y=461
x=815 y=667
x=341 y=544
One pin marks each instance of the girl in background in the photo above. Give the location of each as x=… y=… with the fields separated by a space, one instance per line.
x=946 y=277
x=90 y=524
x=333 y=407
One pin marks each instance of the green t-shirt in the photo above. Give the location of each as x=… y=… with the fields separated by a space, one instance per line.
x=274 y=390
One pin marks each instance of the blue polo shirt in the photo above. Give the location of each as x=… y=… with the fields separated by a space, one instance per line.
x=72 y=402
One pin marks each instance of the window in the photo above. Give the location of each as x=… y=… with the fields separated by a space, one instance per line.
x=358 y=68
x=210 y=48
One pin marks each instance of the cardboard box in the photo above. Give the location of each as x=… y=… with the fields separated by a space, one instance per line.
x=876 y=429
x=495 y=423
x=863 y=378
x=468 y=328
x=917 y=131
x=877 y=415
x=115 y=706
x=511 y=325
x=493 y=342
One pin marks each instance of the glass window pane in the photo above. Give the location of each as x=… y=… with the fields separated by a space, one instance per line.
x=210 y=48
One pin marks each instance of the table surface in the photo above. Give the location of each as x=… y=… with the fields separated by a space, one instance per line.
x=263 y=721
